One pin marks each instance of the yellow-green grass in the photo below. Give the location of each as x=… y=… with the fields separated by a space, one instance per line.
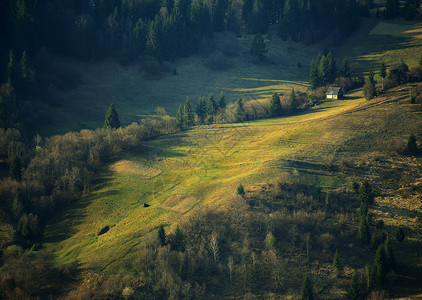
x=201 y=166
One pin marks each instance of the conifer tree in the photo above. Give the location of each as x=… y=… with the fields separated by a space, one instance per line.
x=240 y=190
x=111 y=118
x=161 y=235
x=345 y=68
x=179 y=118
x=275 y=105
x=201 y=109
x=11 y=68
x=222 y=101
x=189 y=119
x=381 y=267
x=24 y=64
x=178 y=239
x=15 y=170
x=412 y=148
x=313 y=75
x=383 y=74
x=365 y=193
x=307 y=290
x=353 y=293
x=399 y=234
x=336 y=262
x=389 y=255
x=258 y=47
x=211 y=108
x=293 y=101
x=363 y=231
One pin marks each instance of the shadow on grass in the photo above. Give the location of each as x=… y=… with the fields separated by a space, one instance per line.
x=66 y=221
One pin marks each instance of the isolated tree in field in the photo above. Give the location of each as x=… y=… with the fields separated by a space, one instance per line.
x=275 y=105
x=240 y=190
x=179 y=117
x=201 y=109
x=412 y=148
x=294 y=105
x=222 y=101
x=111 y=118
x=353 y=293
x=369 y=90
x=336 y=263
x=189 y=118
x=258 y=47
x=383 y=74
x=15 y=170
x=399 y=234
x=161 y=235
x=307 y=290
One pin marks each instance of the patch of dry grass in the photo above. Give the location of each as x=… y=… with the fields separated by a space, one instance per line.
x=135 y=168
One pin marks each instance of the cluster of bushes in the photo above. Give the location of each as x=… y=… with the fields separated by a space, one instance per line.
x=49 y=174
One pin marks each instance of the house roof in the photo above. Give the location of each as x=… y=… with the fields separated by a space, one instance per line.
x=333 y=90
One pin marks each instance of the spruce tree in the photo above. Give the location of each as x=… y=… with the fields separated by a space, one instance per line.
x=161 y=235
x=336 y=262
x=222 y=101
x=258 y=47
x=211 y=108
x=381 y=267
x=353 y=293
x=307 y=291
x=365 y=193
x=399 y=234
x=178 y=239
x=189 y=119
x=389 y=255
x=24 y=64
x=201 y=109
x=293 y=100
x=383 y=73
x=240 y=190
x=313 y=75
x=275 y=105
x=111 y=118
x=363 y=231
x=345 y=68
x=412 y=148
x=179 y=117
x=15 y=170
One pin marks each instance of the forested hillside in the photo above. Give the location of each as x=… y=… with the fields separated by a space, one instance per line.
x=220 y=169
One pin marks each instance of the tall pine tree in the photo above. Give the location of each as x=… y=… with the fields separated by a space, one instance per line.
x=188 y=113
x=111 y=118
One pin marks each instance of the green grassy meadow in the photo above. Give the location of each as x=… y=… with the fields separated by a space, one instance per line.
x=328 y=146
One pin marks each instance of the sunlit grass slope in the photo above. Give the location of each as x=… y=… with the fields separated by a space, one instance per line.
x=202 y=166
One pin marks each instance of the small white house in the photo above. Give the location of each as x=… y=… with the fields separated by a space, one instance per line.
x=334 y=92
